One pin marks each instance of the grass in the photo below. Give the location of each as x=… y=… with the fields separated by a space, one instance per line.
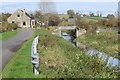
x=87 y=19
x=58 y=59
x=97 y=18
x=106 y=42
x=20 y=65
x=63 y=16
x=7 y=35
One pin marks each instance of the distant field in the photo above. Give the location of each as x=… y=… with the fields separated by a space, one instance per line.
x=63 y=15
x=97 y=18
x=87 y=19
x=105 y=42
x=7 y=35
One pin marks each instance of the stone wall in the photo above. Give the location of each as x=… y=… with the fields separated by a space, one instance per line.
x=80 y=32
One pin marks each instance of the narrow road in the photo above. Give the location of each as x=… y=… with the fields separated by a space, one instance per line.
x=11 y=46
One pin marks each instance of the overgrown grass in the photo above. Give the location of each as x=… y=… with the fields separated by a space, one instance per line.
x=58 y=59
x=106 y=42
x=7 y=35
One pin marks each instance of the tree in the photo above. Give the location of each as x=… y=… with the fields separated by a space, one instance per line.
x=5 y=16
x=39 y=17
x=54 y=20
x=92 y=14
x=98 y=13
x=47 y=6
x=110 y=16
x=71 y=13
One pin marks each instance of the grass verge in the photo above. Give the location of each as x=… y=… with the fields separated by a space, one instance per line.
x=7 y=35
x=20 y=65
x=105 y=42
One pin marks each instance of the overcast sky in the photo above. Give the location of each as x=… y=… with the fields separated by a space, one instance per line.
x=60 y=0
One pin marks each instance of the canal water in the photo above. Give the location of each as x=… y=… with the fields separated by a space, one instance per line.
x=111 y=61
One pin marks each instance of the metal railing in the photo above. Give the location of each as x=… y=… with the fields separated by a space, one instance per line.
x=35 y=56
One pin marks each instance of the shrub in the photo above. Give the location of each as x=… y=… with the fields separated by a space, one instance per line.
x=54 y=20
x=13 y=26
x=110 y=16
x=109 y=24
x=102 y=21
x=88 y=26
x=8 y=26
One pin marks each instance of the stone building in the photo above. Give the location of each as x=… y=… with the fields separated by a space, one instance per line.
x=21 y=18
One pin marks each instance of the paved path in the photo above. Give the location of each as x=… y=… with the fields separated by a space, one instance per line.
x=10 y=47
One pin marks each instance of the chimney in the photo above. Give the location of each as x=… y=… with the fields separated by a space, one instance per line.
x=24 y=11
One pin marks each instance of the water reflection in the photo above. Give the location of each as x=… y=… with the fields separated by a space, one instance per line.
x=69 y=38
x=111 y=61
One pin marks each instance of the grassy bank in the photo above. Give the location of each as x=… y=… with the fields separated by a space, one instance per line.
x=7 y=35
x=58 y=59
x=106 y=42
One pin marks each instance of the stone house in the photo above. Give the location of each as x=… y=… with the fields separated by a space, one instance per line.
x=22 y=19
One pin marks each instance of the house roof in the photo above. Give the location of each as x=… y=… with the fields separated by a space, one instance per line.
x=26 y=13
x=29 y=16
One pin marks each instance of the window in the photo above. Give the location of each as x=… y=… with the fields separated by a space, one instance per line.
x=33 y=23
x=13 y=21
x=18 y=15
x=24 y=23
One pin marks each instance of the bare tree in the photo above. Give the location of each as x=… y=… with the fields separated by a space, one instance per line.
x=47 y=6
x=39 y=17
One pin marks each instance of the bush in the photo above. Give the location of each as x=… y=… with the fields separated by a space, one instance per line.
x=110 y=16
x=37 y=26
x=109 y=24
x=88 y=26
x=8 y=26
x=54 y=20
x=13 y=26
x=102 y=21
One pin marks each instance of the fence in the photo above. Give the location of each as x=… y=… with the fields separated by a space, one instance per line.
x=35 y=56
